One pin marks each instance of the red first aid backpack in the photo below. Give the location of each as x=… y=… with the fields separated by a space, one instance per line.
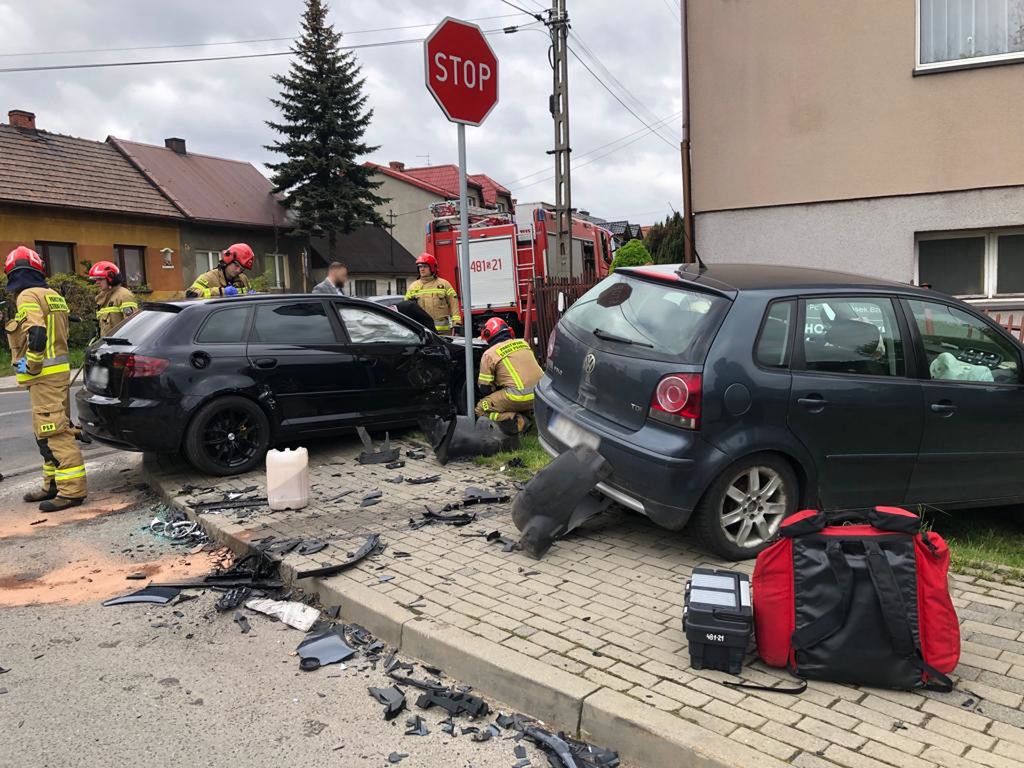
x=866 y=604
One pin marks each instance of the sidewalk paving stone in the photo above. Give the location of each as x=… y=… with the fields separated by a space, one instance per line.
x=601 y=614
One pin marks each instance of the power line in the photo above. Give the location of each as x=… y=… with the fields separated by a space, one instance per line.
x=672 y=9
x=108 y=64
x=537 y=16
x=237 y=42
x=616 y=97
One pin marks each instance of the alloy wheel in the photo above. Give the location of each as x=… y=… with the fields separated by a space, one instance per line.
x=231 y=437
x=753 y=507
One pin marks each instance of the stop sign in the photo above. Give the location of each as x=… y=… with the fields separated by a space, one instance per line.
x=461 y=71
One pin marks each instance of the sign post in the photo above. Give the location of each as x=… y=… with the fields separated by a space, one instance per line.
x=462 y=76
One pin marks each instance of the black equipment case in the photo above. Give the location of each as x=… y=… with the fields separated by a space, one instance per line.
x=718 y=619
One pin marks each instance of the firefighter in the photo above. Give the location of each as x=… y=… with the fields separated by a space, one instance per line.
x=508 y=373
x=227 y=278
x=114 y=302
x=38 y=337
x=435 y=295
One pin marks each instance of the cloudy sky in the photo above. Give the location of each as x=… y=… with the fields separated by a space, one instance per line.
x=219 y=107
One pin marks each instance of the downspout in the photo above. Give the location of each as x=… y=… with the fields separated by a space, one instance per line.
x=684 y=146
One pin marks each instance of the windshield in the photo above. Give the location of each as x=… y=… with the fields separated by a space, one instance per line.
x=669 y=319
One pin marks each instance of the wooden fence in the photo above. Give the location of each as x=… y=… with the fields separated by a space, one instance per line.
x=1011 y=321
x=543 y=298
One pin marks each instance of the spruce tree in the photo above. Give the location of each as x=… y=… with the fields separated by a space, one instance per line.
x=324 y=116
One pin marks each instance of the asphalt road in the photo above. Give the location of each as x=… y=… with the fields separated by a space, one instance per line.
x=18 y=452
x=179 y=684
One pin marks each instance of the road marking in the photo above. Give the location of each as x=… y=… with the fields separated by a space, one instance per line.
x=14 y=413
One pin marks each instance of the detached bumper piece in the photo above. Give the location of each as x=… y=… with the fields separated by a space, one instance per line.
x=718 y=619
x=392 y=698
x=371 y=455
x=557 y=499
x=564 y=752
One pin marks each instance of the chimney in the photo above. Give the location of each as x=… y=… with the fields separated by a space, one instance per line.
x=395 y=165
x=175 y=144
x=19 y=118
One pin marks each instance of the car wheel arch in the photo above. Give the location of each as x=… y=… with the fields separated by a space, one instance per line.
x=210 y=397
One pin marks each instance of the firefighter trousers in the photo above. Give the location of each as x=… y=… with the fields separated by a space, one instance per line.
x=50 y=398
x=498 y=406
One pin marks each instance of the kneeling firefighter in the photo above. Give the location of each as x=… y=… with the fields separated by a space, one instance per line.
x=508 y=372
x=38 y=337
x=227 y=278
x=114 y=302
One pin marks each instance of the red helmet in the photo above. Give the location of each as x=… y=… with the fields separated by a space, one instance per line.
x=493 y=327
x=239 y=252
x=23 y=258
x=429 y=260
x=104 y=270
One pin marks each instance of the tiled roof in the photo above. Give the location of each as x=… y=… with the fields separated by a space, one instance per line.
x=368 y=250
x=489 y=188
x=42 y=168
x=208 y=188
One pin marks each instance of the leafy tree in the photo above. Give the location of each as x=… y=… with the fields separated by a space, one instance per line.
x=324 y=116
x=667 y=242
x=632 y=254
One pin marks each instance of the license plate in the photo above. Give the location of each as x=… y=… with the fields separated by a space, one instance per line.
x=572 y=435
x=98 y=378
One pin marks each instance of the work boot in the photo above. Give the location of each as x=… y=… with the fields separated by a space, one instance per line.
x=514 y=426
x=42 y=494
x=60 y=503
x=81 y=437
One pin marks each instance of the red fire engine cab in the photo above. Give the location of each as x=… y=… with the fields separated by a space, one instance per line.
x=506 y=253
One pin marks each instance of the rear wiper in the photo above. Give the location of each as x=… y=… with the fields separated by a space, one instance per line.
x=117 y=341
x=619 y=339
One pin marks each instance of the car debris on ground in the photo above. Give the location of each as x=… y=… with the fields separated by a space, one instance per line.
x=370 y=454
x=295 y=614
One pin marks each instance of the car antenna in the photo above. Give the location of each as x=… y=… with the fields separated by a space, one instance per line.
x=701 y=266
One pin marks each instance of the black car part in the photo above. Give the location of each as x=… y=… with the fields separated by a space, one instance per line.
x=370 y=454
x=217 y=506
x=243 y=623
x=423 y=480
x=565 y=752
x=372 y=545
x=392 y=698
x=454 y=702
x=433 y=516
x=327 y=647
x=397 y=757
x=546 y=508
x=474 y=495
x=151 y=594
x=398 y=464
x=232 y=599
x=415 y=726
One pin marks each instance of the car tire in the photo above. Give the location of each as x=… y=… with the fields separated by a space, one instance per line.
x=227 y=436
x=735 y=523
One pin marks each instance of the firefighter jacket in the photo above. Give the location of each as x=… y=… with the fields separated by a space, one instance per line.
x=39 y=333
x=211 y=285
x=510 y=366
x=113 y=306
x=438 y=299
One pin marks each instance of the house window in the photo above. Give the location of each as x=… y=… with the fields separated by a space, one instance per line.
x=958 y=33
x=501 y=206
x=400 y=286
x=366 y=288
x=58 y=257
x=206 y=260
x=277 y=270
x=131 y=260
x=979 y=265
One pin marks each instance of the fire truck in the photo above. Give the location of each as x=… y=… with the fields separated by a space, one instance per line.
x=507 y=252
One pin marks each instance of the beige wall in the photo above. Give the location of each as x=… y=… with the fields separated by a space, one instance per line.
x=410 y=204
x=808 y=100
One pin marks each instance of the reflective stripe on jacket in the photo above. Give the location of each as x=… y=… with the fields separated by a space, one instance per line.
x=438 y=299
x=39 y=308
x=510 y=366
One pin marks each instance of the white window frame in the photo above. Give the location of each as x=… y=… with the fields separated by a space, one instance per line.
x=279 y=261
x=955 y=64
x=212 y=259
x=990 y=262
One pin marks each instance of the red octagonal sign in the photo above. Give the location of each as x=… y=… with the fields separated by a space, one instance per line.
x=461 y=71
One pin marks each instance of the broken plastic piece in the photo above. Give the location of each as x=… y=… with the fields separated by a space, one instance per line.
x=454 y=703
x=415 y=726
x=218 y=506
x=392 y=698
x=294 y=614
x=243 y=623
x=371 y=545
x=432 y=516
x=395 y=464
x=383 y=578
x=372 y=455
x=394 y=480
x=474 y=495
x=232 y=599
x=309 y=664
x=423 y=480
x=520 y=751
x=418 y=453
x=326 y=647
x=311 y=546
x=150 y=594
x=507 y=544
x=448 y=726
x=396 y=757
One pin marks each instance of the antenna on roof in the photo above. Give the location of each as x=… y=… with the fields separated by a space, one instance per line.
x=701 y=266
x=427 y=156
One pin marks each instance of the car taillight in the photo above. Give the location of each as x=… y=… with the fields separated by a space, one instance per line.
x=139 y=366
x=551 y=342
x=677 y=400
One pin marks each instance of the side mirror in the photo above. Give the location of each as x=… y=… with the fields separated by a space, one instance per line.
x=561 y=302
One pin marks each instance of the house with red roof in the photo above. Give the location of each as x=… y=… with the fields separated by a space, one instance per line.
x=411 y=191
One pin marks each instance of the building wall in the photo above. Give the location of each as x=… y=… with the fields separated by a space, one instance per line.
x=214 y=238
x=94 y=236
x=811 y=100
x=410 y=204
x=874 y=237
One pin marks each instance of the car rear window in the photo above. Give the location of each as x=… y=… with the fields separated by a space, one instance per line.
x=143 y=326
x=668 y=319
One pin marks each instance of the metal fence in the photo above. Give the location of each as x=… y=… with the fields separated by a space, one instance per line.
x=543 y=298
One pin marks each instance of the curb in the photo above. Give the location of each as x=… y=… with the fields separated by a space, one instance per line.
x=638 y=731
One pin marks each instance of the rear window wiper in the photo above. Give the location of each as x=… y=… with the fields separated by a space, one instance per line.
x=604 y=336
x=116 y=340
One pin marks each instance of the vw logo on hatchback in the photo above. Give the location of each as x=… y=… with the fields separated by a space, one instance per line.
x=589 y=363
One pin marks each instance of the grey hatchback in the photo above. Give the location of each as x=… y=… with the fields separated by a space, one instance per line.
x=737 y=393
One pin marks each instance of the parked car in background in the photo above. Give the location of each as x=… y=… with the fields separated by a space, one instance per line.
x=224 y=380
x=735 y=394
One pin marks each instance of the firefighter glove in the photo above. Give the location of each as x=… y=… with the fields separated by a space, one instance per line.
x=230 y=291
x=21 y=365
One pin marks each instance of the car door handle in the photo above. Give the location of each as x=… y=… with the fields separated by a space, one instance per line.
x=945 y=408
x=265 y=363
x=813 y=403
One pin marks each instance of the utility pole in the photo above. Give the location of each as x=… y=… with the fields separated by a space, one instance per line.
x=689 y=248
x=558 y=25
x=391 y=236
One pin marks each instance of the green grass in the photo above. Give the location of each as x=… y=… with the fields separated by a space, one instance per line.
x=533 y=458
x=987 y=541
x=77 y=358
